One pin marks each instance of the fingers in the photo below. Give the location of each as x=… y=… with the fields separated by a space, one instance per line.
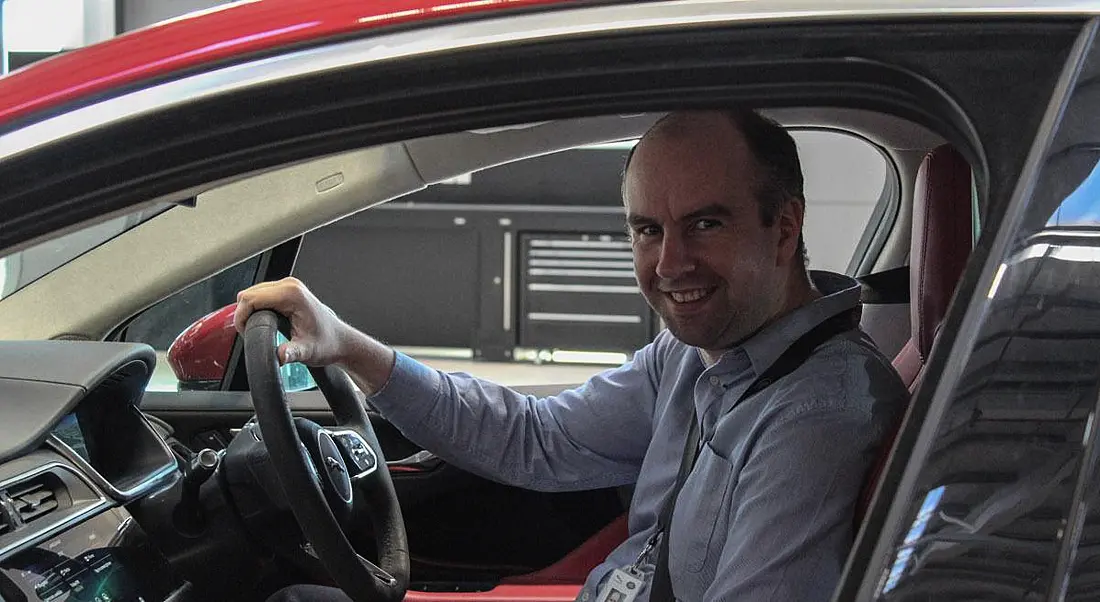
x=241 y=313
x=284 y=296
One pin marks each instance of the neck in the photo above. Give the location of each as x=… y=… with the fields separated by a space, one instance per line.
x=799 y=292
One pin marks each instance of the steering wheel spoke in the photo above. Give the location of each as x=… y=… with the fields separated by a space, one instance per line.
x=379 y=574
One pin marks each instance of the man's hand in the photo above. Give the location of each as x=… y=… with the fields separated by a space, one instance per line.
x=317 y=336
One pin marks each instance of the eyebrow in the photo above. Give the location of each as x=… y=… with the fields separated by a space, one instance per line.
x=712 y=210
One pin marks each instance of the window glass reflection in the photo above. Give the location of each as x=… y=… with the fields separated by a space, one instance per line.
x=1082 y=206
x=1004 y=504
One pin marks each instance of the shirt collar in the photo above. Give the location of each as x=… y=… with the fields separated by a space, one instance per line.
x=839 y=293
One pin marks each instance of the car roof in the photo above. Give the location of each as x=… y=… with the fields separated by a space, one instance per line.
x=217 y=36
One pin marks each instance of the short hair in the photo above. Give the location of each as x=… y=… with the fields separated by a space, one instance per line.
x=777 y=163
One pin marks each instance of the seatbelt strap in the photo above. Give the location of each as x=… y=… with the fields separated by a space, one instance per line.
x=792 y=358
x=890 y=287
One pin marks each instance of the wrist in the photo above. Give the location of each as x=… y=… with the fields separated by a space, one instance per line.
x=366 y=359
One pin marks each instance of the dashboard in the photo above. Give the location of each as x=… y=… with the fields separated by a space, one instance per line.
x=74 y=451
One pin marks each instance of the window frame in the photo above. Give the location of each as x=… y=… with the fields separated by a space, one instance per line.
x=273 y=264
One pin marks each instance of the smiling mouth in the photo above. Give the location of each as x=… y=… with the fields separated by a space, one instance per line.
x=693 y=295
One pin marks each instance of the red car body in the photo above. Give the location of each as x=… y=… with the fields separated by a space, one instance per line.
x=214 y=37
x=200 y=354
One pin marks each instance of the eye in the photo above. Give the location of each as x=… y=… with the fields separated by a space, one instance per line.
x=706 y=224
x=646 y=230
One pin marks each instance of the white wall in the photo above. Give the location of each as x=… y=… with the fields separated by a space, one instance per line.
x=140 y=13
x=99 y=20
x=43 y=25
x=40 y=28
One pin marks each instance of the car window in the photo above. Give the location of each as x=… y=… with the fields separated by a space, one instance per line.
x=1003 y=501
x=523 y=272
x=160 y=325
x=846 y=179
x=296 y=376
x=17 y=270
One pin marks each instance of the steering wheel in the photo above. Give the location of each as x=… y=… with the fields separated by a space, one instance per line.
x=348 y=470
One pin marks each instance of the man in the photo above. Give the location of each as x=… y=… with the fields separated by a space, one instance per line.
x=788 y=407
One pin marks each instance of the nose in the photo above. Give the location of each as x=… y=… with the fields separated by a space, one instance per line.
x=675 y=259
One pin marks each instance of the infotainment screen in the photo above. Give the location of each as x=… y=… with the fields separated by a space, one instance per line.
x=70 y=433
x=104 y=559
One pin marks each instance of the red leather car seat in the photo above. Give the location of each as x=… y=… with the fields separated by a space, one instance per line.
x=941 y=239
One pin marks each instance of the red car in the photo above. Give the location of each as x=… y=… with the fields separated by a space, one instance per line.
x=149 y=177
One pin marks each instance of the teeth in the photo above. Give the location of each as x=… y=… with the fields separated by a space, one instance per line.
x=688 y=296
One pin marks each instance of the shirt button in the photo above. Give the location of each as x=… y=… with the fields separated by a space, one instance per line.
x=714 y=380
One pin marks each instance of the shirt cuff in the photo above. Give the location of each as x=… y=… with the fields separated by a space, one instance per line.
x=410 y=393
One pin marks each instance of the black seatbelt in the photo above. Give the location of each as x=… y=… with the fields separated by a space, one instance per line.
x=792 y=358
x=885 y=288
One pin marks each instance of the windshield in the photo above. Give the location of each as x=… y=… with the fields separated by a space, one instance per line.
x=20 y=269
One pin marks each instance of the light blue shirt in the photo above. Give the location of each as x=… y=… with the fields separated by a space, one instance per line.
x=767 y=513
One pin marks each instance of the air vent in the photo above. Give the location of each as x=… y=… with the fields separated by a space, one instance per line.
x=34 y=498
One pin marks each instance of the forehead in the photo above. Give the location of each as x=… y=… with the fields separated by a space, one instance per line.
x=692 y=163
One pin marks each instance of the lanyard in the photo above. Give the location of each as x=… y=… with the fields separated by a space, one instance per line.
x=792 y=358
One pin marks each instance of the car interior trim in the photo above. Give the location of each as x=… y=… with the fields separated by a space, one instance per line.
x=502 y=593
x=160 y=478
x=52 y=528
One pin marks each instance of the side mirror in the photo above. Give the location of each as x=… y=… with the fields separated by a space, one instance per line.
x=200 y=354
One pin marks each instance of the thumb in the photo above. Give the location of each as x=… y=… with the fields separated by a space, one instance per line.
x=290 y=353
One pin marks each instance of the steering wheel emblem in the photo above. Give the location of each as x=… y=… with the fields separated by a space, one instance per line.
x=335 y=470
x=334 y=464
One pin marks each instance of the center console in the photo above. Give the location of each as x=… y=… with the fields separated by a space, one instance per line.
x=104 y=559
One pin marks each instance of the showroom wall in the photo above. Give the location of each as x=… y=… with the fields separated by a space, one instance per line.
x=135 y=14
x=36 y=29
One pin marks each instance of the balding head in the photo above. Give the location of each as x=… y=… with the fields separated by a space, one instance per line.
x=715 y=213
x=778 y=170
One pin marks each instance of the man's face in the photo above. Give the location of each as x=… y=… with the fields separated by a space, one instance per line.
x=703 y=258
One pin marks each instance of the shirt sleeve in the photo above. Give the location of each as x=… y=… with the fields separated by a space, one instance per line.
x=792 y=511
x=590 y=437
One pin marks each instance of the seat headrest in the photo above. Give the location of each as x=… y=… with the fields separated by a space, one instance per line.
x=942 y=237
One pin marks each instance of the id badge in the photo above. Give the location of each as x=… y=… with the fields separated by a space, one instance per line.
x=620 y=586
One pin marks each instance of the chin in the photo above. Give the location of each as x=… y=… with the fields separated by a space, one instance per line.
x=693 y=338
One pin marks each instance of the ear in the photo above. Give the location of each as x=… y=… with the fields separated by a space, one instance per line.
x=789 y=222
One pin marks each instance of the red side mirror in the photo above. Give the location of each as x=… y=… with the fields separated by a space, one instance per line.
x=200 y=354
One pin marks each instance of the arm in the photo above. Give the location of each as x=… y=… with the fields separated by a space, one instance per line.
x=589 y=437
x=791 y=525
x=594 y=436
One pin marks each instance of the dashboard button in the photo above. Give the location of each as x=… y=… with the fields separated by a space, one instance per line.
x=67 y=569
x=94 y=557
x=49 y=582
x=56 y=593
